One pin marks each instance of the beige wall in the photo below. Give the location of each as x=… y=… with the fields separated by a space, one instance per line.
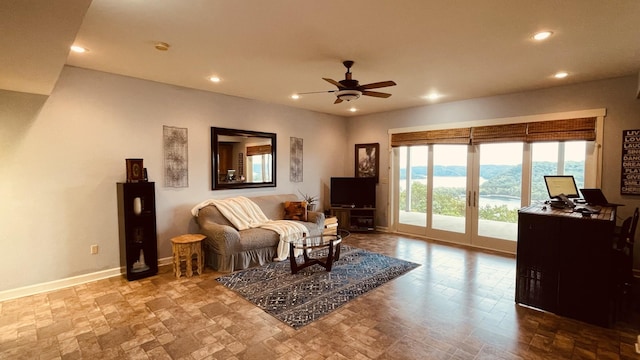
x=61 y=156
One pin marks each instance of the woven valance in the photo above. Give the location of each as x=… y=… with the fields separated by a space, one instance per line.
x=498 y=133
x=570 y=129
x=258 y=150
x=448 y=136
x=554 y=130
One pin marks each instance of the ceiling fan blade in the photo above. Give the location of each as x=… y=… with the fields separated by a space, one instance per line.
x=338 y=101
x=377 y=85
x=340 y=86
x=317 y=92
x=376 y=94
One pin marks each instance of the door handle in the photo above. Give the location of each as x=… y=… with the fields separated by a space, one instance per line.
x=474 y=199
x=469 y=199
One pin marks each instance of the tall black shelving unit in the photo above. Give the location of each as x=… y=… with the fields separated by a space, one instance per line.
x=137 y=228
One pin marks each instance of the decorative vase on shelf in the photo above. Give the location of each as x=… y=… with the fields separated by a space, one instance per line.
x=137 y=206
x=311 y=207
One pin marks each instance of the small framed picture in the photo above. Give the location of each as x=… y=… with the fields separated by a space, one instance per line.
x=135 y=172
x=367 y=161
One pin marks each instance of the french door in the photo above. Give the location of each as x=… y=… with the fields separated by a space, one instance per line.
x=470 y=194
x=497 y=194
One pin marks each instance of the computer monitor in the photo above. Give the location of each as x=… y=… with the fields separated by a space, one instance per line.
x=561 y=184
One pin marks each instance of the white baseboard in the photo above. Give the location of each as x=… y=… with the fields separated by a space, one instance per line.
x=165 y=261
x=58 y=284
x=68 y=282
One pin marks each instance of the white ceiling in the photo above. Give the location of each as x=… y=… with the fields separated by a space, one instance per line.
x=268 y=50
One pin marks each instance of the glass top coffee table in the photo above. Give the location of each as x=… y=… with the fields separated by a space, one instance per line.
x=310 y=243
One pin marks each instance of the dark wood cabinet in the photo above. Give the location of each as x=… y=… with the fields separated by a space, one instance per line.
x=537 y=262
x=355 y=219
x=564 y=263
x=225 y=153
x=137 y=229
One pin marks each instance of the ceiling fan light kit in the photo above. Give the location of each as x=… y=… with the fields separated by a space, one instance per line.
x=348 y=95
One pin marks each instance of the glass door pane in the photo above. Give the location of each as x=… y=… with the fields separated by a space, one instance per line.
x=500 y=189
x=449 y=187
x=413 y=186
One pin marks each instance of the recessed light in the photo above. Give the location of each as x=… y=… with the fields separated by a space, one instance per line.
x=214 y=79
x=353 y=109
x=295 y=96
x=78 y=49
x=561 y=75
x=162 y=46
x=542 y=35
x=433 y=96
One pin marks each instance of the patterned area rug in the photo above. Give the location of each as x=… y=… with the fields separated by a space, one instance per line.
x=299 y=299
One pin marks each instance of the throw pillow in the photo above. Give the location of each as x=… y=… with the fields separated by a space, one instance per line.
x=295 y=210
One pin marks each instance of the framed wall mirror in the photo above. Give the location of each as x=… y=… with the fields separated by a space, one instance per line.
x=242 y=159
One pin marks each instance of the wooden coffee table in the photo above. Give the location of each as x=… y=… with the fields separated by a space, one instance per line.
x=309 y=243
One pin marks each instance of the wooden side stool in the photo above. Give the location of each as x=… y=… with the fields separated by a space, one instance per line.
x=184 y=247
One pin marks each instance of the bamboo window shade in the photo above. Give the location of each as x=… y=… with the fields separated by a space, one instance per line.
x=570 y=129
x=449 y=136
x=258 y=150
x=553 y=130
x=499 y=133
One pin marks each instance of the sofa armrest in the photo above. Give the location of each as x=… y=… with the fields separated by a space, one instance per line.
x=316 y=217
x=223 y=239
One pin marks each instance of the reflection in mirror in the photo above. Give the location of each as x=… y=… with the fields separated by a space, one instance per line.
x=242 y=159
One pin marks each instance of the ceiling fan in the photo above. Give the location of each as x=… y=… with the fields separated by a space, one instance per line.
x=350 y=89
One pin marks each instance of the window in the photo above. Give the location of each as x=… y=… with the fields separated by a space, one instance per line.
x=260 y=168
x=556 y=158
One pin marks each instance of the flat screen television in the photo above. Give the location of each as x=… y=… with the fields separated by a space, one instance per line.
x=561 y=184
x=353 y=192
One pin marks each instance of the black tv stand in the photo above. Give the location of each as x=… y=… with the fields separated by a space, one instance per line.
x=355 y=219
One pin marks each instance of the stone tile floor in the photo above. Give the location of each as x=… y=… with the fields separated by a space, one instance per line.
x=458 y=305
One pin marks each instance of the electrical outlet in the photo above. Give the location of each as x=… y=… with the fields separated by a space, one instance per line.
x=94 y=249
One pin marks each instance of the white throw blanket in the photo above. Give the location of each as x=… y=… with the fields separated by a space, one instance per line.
x=289 y=231
x=245 y=214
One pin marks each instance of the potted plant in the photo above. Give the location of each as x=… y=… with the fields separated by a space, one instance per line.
x=311 y=201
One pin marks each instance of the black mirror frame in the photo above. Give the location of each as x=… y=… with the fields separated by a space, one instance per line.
x=215 y=184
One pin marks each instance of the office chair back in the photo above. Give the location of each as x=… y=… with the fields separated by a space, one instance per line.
x=627 y=236
x=630 y=242
x=632 y=228
x=622 y=232
x=623 y=264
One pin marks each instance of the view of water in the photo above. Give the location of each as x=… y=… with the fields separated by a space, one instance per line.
x=495 y=200
x=445 y=181
x=461 y=182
